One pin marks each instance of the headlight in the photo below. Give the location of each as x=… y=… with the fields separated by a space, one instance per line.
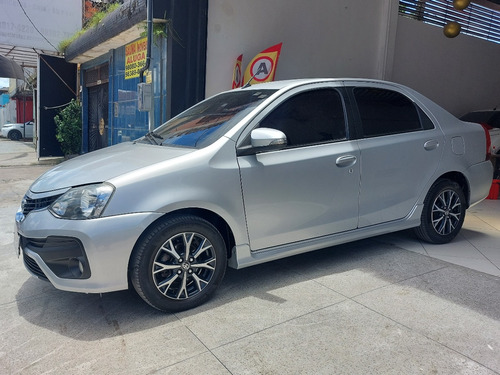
x=83 y=202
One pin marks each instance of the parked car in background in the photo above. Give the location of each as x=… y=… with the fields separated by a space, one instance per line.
x=489 y=119
x=249 y=176
x=18 y=131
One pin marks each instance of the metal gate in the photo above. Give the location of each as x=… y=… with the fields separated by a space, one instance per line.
x=96 y=81
x=98 y=117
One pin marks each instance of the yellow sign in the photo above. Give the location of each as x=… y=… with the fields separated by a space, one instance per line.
x=135 y=57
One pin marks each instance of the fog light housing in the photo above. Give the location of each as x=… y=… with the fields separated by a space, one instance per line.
x=65 y=256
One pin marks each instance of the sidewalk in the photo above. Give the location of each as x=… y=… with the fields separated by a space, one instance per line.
x=385 y=305
x=22 y=153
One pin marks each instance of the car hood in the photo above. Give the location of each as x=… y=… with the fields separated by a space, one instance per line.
x=103 y=165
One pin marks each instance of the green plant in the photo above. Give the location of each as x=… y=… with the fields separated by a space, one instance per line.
x=91 y=23
x=162 y=30
x=69 y=128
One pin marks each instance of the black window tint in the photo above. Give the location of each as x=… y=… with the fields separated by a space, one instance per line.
x=385 y=112
x=427 y=123
x=310 y=117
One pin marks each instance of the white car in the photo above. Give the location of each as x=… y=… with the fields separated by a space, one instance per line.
x=249 y=176
x=18 y=131
x=490 y=120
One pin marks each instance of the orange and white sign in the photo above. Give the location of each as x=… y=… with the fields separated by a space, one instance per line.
x=262 y=68
x=135 y=57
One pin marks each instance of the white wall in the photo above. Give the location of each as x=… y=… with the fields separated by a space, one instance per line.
x=321 y=38
x=353 y=38
x=55 y=19
x=461 y=74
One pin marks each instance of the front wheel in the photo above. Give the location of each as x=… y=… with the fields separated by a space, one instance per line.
x=443 y=213
x=179 y=263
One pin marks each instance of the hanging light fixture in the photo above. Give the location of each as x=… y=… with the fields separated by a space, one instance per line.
x=452 y=29
x=461 y=4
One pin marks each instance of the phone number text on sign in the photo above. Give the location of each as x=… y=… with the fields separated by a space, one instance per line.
x=135 y=58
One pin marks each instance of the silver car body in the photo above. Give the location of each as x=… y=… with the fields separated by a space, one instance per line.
x=276 y=203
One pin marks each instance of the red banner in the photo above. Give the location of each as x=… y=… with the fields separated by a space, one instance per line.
x=237 y=73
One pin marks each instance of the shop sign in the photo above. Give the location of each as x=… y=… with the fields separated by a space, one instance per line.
x=135 y=57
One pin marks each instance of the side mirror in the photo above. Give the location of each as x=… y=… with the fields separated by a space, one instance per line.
x=264 y=139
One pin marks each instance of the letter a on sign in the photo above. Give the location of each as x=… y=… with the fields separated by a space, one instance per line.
x=263 y=66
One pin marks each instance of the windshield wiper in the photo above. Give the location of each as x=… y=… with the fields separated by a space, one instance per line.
x=152 y=137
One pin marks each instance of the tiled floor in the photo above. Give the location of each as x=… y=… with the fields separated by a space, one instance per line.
x=477 y=246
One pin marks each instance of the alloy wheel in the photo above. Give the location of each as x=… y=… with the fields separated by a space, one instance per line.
x=184 y=265
x=446 y=212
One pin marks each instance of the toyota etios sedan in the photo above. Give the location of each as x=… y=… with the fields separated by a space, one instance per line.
x=249 y=176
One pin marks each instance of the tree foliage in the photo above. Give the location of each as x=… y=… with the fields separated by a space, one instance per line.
x=69 y=128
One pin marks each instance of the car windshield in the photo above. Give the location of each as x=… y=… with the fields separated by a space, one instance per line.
x=207 y=121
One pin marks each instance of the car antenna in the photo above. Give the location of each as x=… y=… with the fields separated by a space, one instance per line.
x=260 y=70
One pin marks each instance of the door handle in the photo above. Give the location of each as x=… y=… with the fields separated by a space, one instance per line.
x=431 y=144
x=346 y=161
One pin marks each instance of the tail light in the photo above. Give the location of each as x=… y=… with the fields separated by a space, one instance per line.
x=488 y=141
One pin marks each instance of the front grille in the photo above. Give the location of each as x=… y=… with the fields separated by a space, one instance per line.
x=37 y=204
x=32 y=266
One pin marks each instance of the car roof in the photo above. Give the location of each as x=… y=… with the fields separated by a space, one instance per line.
x=278 y=85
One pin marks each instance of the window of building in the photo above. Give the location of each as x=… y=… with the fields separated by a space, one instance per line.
x=475 y=20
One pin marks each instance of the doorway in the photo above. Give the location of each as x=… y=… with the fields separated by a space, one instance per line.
x=97 y=83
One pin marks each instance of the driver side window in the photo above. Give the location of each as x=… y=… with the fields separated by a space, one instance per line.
x=310 y=117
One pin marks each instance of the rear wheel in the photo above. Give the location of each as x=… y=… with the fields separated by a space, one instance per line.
x=15 y=135
x=443 y=213
x=179 y=263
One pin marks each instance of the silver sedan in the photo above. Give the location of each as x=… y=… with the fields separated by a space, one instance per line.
x=249 y=176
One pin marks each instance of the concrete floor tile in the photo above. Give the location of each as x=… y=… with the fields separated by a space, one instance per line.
x=81 y=334
x=493 y=255
x=206 y=364
x=255 y=299
x=488 y=212
x=346 y=338
x=452 y=306
x=14 y=277
x=481 y=265
x=457 y=249
x=363 y=266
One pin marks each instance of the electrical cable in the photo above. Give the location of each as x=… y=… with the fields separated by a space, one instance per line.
x=29 y=19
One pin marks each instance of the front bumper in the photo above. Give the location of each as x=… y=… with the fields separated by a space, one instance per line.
x=89 y=256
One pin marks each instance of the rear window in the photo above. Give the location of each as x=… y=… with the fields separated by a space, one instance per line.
x=385 y=112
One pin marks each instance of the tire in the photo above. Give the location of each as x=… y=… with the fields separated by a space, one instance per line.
x=15 y=135
x=443 y=213
x=172 y=276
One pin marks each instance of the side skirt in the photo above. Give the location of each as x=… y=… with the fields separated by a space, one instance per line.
x=242 y=256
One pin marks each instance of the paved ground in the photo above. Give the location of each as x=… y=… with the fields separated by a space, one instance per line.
x=370 y=307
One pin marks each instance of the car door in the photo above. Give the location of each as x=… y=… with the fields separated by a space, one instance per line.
x=28 y=128
x=400 y=151
x=309 y=188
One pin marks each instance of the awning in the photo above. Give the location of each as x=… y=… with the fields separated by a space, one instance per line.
x=10 y=69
